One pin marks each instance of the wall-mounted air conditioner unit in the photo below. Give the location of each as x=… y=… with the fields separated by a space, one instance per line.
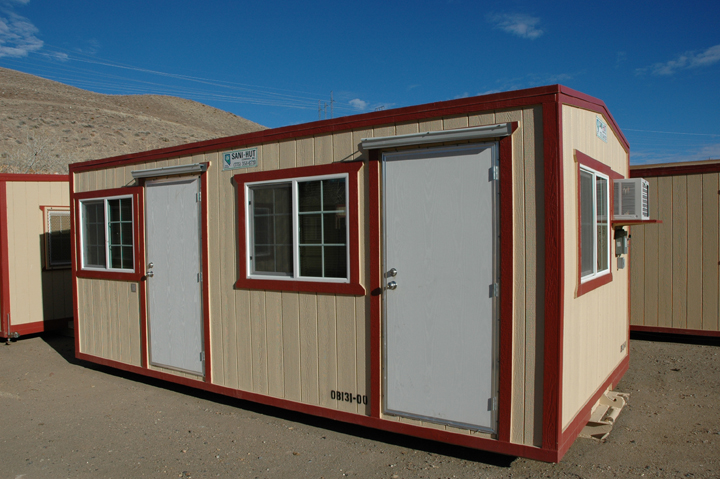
x=631 y=199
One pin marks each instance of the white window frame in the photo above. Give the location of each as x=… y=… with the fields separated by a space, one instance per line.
x=595 y=274
x=106 y=212
x=249 y=232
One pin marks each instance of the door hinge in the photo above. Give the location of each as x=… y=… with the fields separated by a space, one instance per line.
x=495 y=290
x=492 y=404
x=199 y=277
x=495 y=173
x=202 y=355
x=198 y=197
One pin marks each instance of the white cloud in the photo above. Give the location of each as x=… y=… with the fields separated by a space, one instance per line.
x=685 y=61
x=358 y=104
x=524 y=26
x=17 y=35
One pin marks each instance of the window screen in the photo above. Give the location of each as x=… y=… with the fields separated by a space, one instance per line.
x=58 y=238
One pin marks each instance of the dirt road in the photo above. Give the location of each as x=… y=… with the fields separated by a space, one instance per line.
x=65 y=418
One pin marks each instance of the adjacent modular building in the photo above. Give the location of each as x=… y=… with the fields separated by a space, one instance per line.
x=674 y=265
x=35 y=274
x=421 y=270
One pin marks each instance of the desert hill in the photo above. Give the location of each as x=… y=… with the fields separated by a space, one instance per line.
x=44 y=125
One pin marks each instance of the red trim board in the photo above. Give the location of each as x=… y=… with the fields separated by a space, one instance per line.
x=375 y=218
x=39 y=326
x=496 y=101
x=4 y=263
x=353 y=287
x=674 y=169
x=27 y=177
x=554 y=280
x=506 y=281
x=137 y=193
x=684 y=332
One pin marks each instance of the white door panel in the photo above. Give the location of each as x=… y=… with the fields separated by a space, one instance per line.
x=174 y=289
x=439 y=209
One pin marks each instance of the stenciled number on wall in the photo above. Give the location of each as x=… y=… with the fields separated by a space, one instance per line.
x=348 y=397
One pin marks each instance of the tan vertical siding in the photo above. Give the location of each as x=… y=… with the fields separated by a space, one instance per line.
x=302 y=346
x=596 y=323
x=36 y=294
x=674 y=265
x=109 y=316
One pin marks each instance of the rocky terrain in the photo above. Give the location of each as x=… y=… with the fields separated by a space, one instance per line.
x=45 y=125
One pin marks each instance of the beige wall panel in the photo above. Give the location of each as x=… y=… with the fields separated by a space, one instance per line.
x=109 y=318
x=652 y=259
x=532 y=135
x=24 y=225
x=228 y=247
x=637 y=275
x=679 y=252
x=363 y=387
x=35 y=295
x=79 y=182
x=383 y=131
x=288 y=155
x=430 y=125
x=347 y=353
x=482 y=119
x=274 y=329
x=269 y=156
x=343 y=148
x=84 y=292
x=665 y=258
x=455 y=122
x=595 y=324
x=244 y=336
x=357 y=136
x=327 y=349
x=504 y=116
x=694 y=235
x=108 y=179
x=291 y=345
x=406 y=128
x=259 y=342
x=323 y=149
x=308 y=348
x=305 y=152
x=710 y=235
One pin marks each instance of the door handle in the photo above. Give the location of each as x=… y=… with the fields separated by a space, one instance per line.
x=392 y=285
x=149 y=274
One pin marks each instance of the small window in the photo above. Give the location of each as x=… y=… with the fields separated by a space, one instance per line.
x=594 y=224
x=107 y=234
x=298 y=229
x=57 y=237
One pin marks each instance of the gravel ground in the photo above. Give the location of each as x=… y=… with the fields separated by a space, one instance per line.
x=66 y=418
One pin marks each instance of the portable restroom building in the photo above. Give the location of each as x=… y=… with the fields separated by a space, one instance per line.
x=421 y=270
x=674 y=265
x=35 y=274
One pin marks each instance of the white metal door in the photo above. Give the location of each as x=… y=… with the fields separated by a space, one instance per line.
x=174 y=274
x=440 y=222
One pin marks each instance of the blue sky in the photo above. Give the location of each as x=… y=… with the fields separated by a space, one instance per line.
x=655 y=64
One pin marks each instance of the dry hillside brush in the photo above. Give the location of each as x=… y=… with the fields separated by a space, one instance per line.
x=45 y=125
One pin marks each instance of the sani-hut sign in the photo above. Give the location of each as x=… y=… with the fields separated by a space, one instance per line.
x=247 y=158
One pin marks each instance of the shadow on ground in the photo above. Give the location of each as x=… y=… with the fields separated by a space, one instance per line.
x=65 y=346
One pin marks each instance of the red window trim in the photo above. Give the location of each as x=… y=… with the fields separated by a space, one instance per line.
x=353 y=287
x=589 y=162
x=137 y=194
